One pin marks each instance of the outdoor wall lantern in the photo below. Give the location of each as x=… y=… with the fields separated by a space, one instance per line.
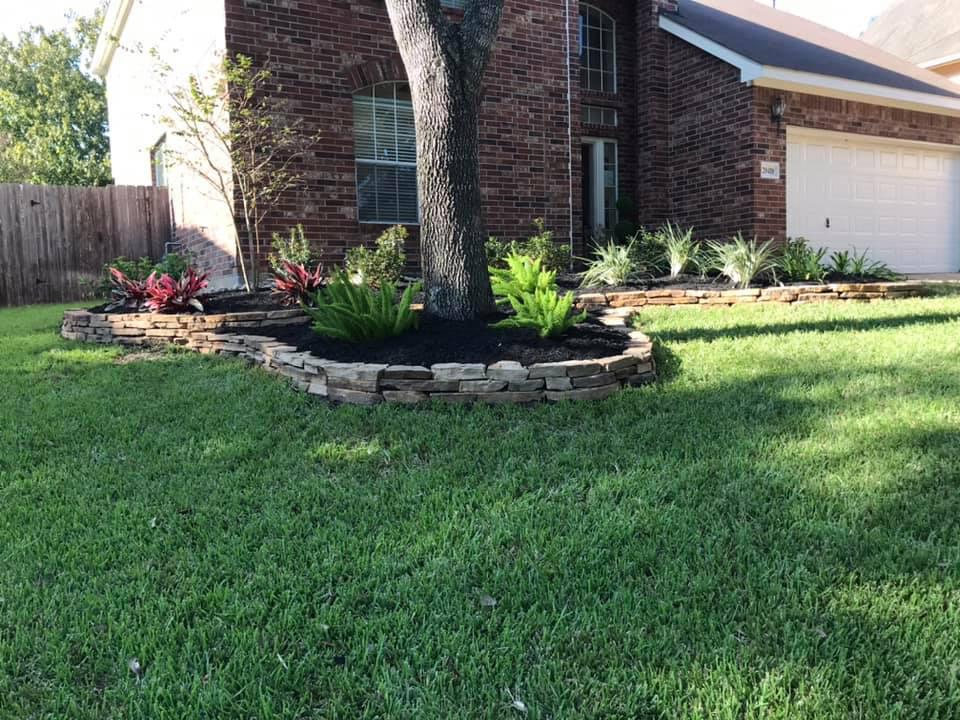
x=777 y=108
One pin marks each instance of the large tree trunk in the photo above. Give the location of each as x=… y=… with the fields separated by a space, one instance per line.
x=445 y=64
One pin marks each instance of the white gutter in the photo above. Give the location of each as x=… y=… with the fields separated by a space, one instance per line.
x=113 y=23
x=813 y=83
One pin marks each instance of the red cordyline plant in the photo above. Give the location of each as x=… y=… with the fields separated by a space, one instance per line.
x=126 y=293
x=166 y=295
x=295 y=284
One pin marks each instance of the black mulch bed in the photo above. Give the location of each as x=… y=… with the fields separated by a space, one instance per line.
x=231 y=301
x=440 y=341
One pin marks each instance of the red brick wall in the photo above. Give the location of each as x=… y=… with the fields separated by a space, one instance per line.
x=710 y=144
x=324 y=49
x=813 y=111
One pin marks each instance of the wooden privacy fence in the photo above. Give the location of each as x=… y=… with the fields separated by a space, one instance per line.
x=54 y=241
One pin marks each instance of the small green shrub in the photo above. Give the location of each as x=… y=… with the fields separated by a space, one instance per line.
x=544 y=310
x=626 y=226
x=384 y=264
x=613 y=265
x=294 y=250
x=175 y=265
x=801 y=263
x=531 y=290
x=741 y=261
x=679 y=248
x=847 y=264
x=358 y=313
x=541 y=245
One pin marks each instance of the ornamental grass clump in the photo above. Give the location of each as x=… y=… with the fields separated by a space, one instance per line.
x=679 y=247
x=613 y=265
x=359 y=313
x=741 y=261
x=532 y=293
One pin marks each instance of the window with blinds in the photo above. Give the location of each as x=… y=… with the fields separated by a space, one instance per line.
x=386 y=150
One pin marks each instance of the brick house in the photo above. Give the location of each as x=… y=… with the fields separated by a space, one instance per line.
x=725 y=115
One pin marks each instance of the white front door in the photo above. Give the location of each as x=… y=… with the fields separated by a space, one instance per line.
x=899 y=202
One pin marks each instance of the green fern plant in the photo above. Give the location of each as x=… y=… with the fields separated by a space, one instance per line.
x=741 y=261
x=358 y=313
x=545 y=310
x=531 y=291
x=523 y=274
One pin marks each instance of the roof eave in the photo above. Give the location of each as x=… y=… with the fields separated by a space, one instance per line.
x=813 y=83
x=940 y=62
x=114 y=22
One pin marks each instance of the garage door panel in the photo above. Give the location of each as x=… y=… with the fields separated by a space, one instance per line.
x=901 y=203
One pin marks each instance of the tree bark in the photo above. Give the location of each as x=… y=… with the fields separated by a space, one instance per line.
x=445 y=63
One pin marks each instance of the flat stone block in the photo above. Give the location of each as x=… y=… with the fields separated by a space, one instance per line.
x=458 y=371
x=354 y=376
x=407 y=372
x=582 y=368
x=482 y=386
x=353 y=397
x=547 y=370
x=318 y=387
x=405 y=397
x=526 y=385
x=612 y=364
x=430 y=386
x=594 y=380
x=559 y=383
x=817 y=297
x=508 y=370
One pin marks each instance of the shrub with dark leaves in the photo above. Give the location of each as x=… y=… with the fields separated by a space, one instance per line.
x=166 y=295
x=125 y=292
x=294 y=284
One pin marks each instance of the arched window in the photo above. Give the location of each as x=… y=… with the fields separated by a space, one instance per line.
x=598 y=50
x=385 y=145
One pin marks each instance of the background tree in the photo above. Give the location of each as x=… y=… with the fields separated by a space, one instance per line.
x=243 y=141
x=445 y=63
x=53 y=116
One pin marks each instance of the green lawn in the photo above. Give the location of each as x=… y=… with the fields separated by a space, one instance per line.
x=771 y=531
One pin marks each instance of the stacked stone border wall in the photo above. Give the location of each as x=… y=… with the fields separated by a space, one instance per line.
x=368 y=383
x=787 y=294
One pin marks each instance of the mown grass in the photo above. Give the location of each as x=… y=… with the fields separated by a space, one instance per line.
x=771 y=531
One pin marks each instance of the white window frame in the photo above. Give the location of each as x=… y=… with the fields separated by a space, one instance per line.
x=597 y=144
x=613 y=34
x=382 y=163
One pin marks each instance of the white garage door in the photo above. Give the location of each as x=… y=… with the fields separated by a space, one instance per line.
x=899 y=202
